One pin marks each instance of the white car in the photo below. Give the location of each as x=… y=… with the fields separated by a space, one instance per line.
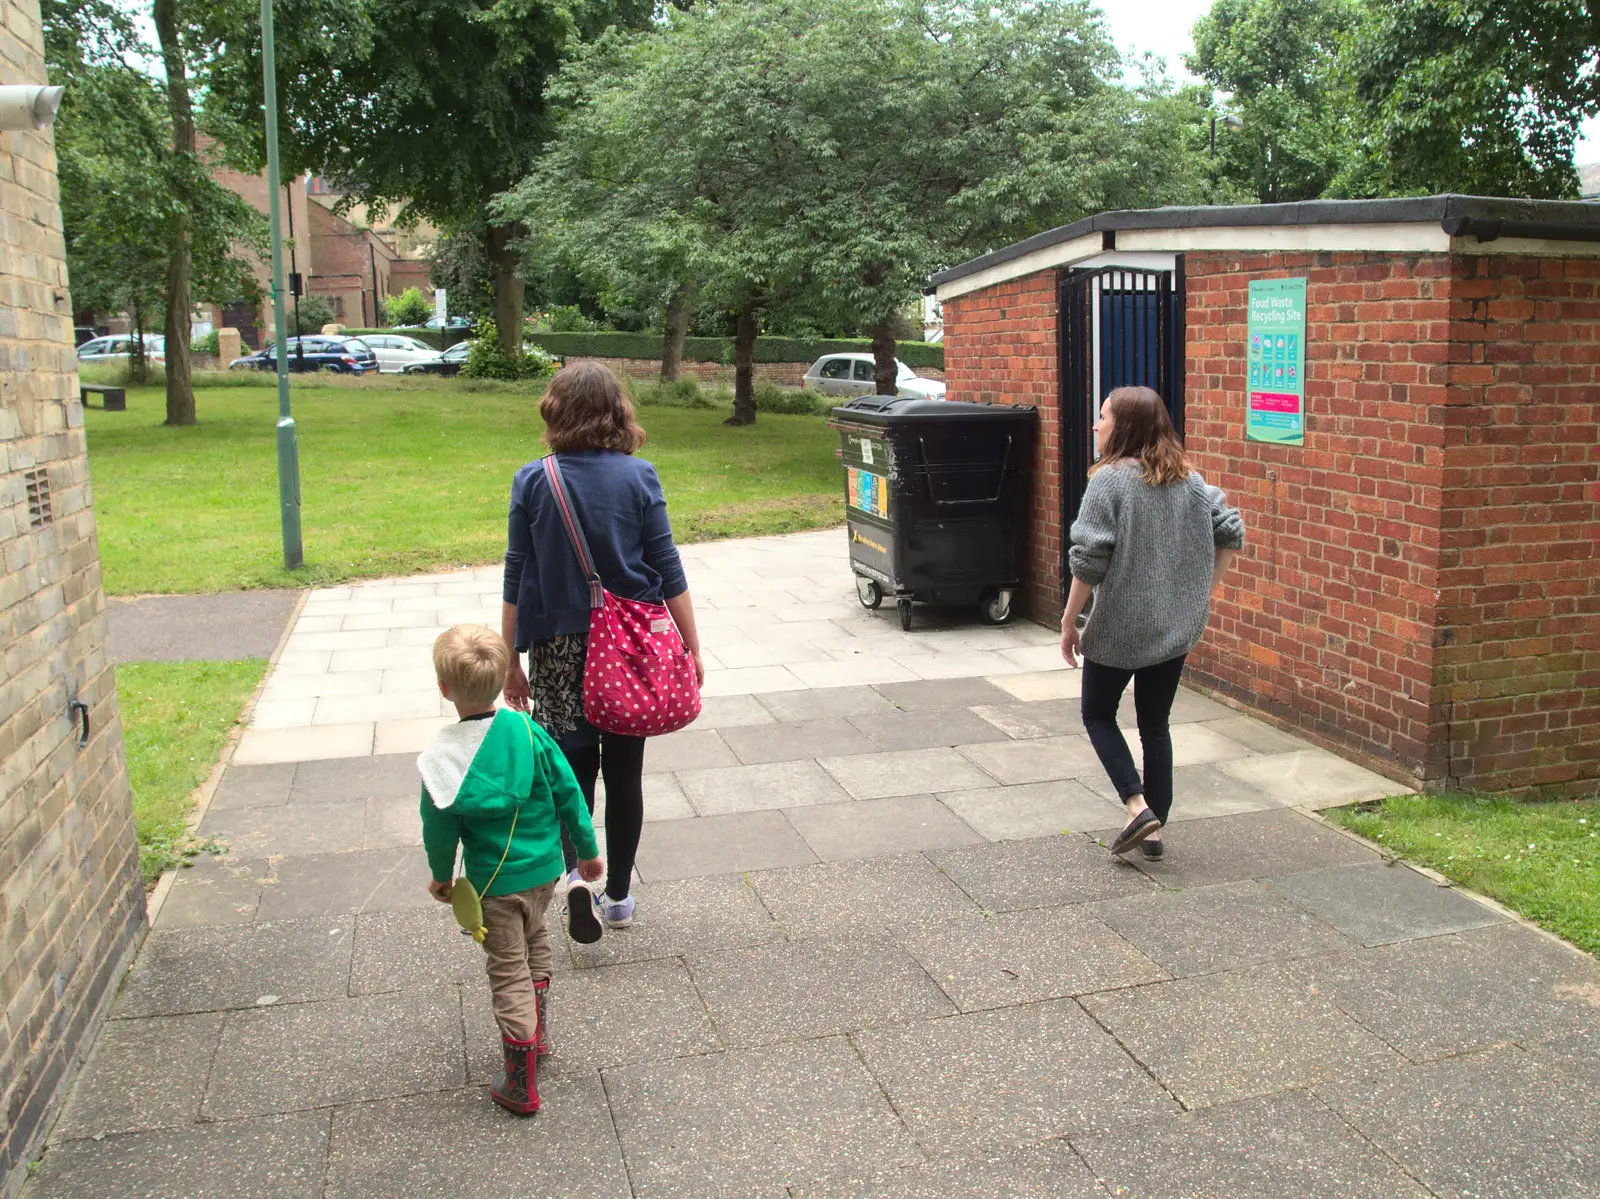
x=396 y=351
x=119 y=346
x=854 y=375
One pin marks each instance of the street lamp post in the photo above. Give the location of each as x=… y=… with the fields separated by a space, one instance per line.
x=288 y=444
x=1228 y=122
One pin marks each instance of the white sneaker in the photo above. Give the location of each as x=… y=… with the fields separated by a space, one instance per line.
x=617 y=913
x=583 y=911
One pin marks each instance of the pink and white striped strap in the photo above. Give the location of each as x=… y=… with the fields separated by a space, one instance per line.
x=558 y=488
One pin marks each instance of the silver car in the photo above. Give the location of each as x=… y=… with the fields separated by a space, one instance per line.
x=854 y=375
x=119 y=346
x=396 y=351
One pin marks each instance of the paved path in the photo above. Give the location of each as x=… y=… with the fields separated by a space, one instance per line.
x=878 y=953
x=198 y=628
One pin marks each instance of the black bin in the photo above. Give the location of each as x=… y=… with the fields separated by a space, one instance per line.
x=935 y=500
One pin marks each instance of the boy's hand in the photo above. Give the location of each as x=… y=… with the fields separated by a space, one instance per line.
x=440 y=891
x=591 y=870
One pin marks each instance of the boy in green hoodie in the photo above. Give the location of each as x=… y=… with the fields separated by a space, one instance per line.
x=496 y=784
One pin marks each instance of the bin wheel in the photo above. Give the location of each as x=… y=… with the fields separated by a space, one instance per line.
x=868 y=592
x=904 y=607
x=996 y=608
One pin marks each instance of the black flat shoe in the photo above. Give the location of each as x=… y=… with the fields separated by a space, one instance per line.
x=1140 y=827
x=1152 y=850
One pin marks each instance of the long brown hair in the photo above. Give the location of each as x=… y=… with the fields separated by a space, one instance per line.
x=586 y=408
x=1142 y=431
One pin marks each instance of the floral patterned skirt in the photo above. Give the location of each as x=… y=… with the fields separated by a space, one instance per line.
x=555 y=676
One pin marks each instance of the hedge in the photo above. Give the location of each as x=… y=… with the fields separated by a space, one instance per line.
x=647 y=346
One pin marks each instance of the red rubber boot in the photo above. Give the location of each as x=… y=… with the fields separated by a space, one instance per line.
x=541 y=994
x=515 y=1088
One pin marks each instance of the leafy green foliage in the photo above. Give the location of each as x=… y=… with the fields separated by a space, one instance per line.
x=310 y=313
x=567 y=318
x=487 y=359
x=410 y=307
x=720 y=349
x=209 y=343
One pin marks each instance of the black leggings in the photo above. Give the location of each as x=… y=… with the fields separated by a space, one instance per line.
x=620 y=760
x=1154 y=688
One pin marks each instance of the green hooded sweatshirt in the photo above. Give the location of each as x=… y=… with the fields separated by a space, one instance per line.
x=479 y=774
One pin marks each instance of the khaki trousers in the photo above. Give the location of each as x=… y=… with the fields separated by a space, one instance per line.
x=517 y=944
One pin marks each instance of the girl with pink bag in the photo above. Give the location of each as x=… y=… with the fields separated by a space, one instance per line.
x=595 y=594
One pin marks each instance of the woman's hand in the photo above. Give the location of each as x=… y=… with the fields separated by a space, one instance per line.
x=699 y=667
x=518 y=693
x=1069 y=642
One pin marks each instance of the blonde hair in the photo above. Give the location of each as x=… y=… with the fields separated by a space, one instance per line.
x=471 y=660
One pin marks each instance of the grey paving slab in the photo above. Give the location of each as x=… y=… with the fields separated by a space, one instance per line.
x=1311 y=778
x=1496 y=1123
x=1048 y=1171
x=771 y=785
x=812 y=988
x=340 y=780
x=214 y=889
x=142 y=1075
x=995 y=1080
x=611 y=1016
x=1271 y=1147
x=934 y=694
x=1012 y=875
x=253 y=787
x=1036 y=761
x=198 y=628
x=1022 y=957
x=208 y=969
x=460 y=1144
x=821 y=702
x=268 y=832
x=720 y=845
x=391 y=823
x=333 y=884
x=1199 y=792
x=1034 y=718
x=749 y=1124
x=927 y=729
x=691 y=749
x=1219 y=928
x=905 y=772
x=1032 y=809
x=396 y=950
x=663 y=799
x=868 y=828
x=1224 y=1037
x=1471 y=991
x=669 y=918
x=861 y=897
x=786 y=741
x=731 y=711
x=281 y=1156
x=308 y=1055
x=1188 y=707
x=1384 y=902
x=1227 y=849
x=1257 y=736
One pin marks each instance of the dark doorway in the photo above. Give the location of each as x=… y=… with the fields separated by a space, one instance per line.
x=243 y=318
x=1120 y=327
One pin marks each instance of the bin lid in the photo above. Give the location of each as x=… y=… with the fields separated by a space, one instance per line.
x=887 y=410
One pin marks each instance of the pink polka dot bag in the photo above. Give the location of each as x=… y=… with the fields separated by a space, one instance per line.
x=638 y=678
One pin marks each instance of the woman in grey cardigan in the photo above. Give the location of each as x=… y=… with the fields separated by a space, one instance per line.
x=1151 y=542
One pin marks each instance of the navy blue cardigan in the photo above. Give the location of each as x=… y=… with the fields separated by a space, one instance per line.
x=624 y=517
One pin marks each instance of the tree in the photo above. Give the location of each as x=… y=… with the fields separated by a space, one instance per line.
x=1478 y=96
x=410 y=307
x=1279 y=61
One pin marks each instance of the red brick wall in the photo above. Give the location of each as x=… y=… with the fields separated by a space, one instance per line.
x=1000 y=348
x=1518 y=665
x=1327 y=619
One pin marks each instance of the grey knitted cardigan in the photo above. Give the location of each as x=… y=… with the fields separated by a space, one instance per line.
x=1148 y=551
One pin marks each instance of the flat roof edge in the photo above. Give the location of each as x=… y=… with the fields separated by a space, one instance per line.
x=1420 y=210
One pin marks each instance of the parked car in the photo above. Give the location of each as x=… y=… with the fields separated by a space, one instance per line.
x=118 y=346
x=433 y=322
x=448 y=363
x=346 y=355
x=396 y=351
x=854 y=375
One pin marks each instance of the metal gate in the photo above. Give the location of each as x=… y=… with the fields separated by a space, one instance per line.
x=1120 y=327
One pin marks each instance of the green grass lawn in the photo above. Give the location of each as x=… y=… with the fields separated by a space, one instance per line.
x=401 y=476
x=175 y=717
x=1539 y=859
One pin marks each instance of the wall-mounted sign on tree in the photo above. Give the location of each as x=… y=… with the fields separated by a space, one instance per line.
x=1277 y=361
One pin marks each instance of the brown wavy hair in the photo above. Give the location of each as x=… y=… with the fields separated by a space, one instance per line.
x=1142 y=431
x=586 y=408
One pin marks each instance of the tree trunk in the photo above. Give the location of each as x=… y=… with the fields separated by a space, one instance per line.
x=508 y=287
x=138 y=364
x=746 y=327
x=679 y=309
x=885 y=370
x=180 y=386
